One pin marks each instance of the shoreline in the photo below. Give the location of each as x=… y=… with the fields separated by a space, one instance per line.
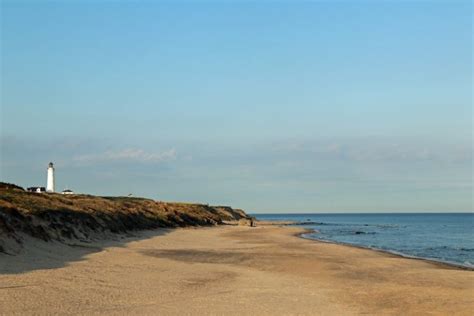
x=228 y=269
x=297 y=224
x=389 y=252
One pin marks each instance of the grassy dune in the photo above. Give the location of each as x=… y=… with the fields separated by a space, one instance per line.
x=86 y=217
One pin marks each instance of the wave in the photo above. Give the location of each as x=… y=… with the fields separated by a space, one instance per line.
x=464 y=265
x=451 y=248
x=358 y=232
x=350 y=224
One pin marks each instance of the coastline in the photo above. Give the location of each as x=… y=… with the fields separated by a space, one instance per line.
x=263 y=270
x=313 y=231
x=388 y=252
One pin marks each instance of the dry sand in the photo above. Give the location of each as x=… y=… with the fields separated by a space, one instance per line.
x=227 y=270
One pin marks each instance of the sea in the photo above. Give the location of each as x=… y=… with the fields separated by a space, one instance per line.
x=444 y=237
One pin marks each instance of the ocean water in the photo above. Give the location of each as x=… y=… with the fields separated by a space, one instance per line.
x=441 y=237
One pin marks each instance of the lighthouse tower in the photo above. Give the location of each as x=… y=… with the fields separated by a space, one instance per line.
x=50 y=183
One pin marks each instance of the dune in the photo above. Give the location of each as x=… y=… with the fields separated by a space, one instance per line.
x=85 y=218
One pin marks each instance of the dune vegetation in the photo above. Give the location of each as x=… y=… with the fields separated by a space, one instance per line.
x=52 y=216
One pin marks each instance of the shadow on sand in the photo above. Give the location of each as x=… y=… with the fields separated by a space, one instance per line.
x=37 y=254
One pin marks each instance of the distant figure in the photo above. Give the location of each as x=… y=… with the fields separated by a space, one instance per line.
x=50 y=182
x=251 y=222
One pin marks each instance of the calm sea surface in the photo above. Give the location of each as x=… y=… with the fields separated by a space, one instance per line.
x=442 y=237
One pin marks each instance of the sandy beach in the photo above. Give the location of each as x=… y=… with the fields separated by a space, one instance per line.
x=235 y=270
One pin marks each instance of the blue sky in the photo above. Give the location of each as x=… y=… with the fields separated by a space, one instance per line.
x=357 y=106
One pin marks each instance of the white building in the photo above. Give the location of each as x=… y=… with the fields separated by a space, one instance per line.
x=36 y=189
x=50 y=183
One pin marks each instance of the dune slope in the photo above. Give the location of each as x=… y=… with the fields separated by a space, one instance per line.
x=85 y=217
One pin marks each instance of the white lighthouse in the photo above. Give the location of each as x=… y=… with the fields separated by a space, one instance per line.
x=50 y=183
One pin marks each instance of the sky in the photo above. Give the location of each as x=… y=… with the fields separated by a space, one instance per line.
x=273 y=107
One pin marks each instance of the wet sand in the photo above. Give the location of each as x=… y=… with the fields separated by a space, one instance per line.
x=227 y=270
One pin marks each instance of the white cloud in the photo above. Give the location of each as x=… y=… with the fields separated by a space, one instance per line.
x=375 y=150
x=129 y=154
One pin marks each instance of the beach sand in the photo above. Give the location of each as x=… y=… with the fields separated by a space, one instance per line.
x=227 y=270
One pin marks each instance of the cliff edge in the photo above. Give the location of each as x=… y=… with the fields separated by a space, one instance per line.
x=57 y=217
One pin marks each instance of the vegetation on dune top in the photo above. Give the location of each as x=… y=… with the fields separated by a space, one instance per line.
x=50 y=216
